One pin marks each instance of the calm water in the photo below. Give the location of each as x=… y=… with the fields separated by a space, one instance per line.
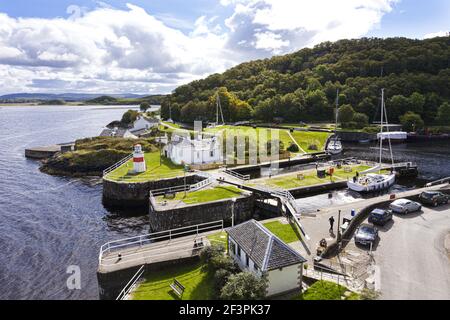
x=48 y=223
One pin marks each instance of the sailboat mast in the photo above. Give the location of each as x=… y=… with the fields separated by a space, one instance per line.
x=381 y=124
x=217 y=109
x=337 y=108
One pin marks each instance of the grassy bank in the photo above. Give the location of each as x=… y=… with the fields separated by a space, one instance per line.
x=194 y=276
x=326 y=290
x=206 y=195
x=285 y=232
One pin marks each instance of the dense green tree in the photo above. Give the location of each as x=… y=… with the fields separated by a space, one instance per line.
x=411 y=121
x=346 y=114
x=443 y=115
x=129 y=117
x=244 y=286
x=144 y=106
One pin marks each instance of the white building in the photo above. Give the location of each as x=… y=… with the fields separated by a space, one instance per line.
x=193 y=151
x=117 y=133
x=143 y=124
x=257 y=250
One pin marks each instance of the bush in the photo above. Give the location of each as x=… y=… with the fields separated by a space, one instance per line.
x=293 y=148
x=313 y=147
x=220 y=279
x=222 y=261
x=411 y=121
x=208 y=253
x=244 y=286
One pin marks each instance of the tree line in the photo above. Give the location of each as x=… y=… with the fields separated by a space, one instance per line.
x=302 y=86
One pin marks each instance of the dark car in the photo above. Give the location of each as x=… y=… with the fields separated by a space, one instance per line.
x=433 y=198
x=380 y=217
x=366 y=235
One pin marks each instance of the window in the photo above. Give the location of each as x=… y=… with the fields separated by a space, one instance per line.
x=198 y=155
x=233 y=247
x=247 y=261
x=239 y=251
x=212 y=154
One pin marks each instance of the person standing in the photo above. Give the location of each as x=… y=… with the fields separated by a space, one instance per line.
x=331 y=223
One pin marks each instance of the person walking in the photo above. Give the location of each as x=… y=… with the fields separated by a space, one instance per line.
x=331 y=223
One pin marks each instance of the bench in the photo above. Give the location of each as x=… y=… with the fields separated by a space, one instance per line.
x=178 y=288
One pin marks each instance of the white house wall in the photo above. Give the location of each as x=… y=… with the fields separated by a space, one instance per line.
x=286 y=279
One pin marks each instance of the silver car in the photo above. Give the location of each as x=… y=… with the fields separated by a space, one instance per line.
x=405 y=206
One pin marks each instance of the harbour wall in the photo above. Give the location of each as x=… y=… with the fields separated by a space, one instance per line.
x=348 y=136
x=133 y=195
x=189 y=215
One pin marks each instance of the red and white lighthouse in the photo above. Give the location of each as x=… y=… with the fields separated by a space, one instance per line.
x=138 y=159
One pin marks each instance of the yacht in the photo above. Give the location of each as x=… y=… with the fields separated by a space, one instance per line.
x=369 y=180
x=334 y=145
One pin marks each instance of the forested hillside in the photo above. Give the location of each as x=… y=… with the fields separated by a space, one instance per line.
x=302 y=86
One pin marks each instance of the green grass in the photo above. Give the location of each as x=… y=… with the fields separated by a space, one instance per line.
x=326 y=290
x=285 y=232
x=307 y=138
x=207 y=195
x=154 y=171
x=219 y=238
x=310 y=178
x=193 y=276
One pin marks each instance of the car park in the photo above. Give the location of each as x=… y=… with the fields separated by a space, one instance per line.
x=366 y=235
x=405 y=206
x=380 y=216
x=434 y=198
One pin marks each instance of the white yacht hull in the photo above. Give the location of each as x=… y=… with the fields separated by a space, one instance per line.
x=385 y=183
x=334 y=147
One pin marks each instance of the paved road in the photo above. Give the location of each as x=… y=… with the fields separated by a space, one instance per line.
x=412 y=258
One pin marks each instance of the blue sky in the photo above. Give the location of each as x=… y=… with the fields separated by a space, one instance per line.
x=152 y=46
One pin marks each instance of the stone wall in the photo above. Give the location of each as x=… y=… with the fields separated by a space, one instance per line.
x=348 y=136
x=188 y=215
x=129 y=195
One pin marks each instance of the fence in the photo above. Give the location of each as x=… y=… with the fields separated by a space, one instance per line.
x=438 y=182
x=239 y=176
x=117 y=165
x=139 y=241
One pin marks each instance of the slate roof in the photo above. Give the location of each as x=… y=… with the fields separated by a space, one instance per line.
x=116 y=132
x=265 y=249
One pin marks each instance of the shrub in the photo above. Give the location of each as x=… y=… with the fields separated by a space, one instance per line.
x=293 y=148
x=220 y=279
x=210 y=252
x=313 y=147
x=411 y=121
x=222 y=261
x=244 y=286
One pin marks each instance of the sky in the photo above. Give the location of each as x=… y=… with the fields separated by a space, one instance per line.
x=153 y=46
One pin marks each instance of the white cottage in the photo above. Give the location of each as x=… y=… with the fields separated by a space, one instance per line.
x=193 y=151
x=257 y=250
x=143 y=124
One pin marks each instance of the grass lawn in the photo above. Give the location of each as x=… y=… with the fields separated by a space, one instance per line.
x=207 y=195
x=310 y=178
x=326 y=290
x=219 y=238
x=154 y=170
x=307 y=138
x=196 y=279
x=285 y=232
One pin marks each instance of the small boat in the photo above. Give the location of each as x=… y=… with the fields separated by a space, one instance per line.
x=369 y=181
x=335 y=146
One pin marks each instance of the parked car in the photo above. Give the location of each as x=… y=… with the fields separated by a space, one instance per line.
x=433 y=198
x=405 y=206
x=366 y=235
x=380 y=216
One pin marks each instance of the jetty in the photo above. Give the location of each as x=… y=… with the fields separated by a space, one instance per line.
x=45 y=152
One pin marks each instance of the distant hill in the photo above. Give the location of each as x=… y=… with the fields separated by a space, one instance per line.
x=110 y=100
x=69 y=97
x=302 y=86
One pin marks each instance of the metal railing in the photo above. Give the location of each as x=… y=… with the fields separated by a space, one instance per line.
x=117 y=165
x=150 y=238
x=236 y=175
x=131 y=284
x=438 y=182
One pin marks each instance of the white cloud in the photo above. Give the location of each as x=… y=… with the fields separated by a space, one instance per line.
x=437 y=34
x=130 y=50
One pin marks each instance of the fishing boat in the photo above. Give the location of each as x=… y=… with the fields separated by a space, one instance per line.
x=369 y=180
x=335 y=146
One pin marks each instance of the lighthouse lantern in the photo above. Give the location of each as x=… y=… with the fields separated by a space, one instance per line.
x=138 y=159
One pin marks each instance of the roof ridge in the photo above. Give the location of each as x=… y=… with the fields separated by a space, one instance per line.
x=267 y=254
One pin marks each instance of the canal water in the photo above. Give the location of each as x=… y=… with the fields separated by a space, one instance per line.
x=50 y=223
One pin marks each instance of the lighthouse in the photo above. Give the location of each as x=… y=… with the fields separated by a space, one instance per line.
x=138 y=159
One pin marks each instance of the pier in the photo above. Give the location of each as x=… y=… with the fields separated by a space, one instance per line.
x=45 y=152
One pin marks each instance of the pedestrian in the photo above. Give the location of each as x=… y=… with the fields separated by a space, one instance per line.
x=331 y=223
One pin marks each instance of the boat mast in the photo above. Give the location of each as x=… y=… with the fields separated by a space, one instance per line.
x=381 y=126
x=389 y=137
x=217 y=109
x=337 y=108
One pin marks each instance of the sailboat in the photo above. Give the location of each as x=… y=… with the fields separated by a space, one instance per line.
x=218 y=109
x=335 y=145
x=369 y=180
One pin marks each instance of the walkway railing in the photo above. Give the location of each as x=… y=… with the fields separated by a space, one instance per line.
x=236 y=175
x=138 y=241
x=131 y=284
x=438 y=182
x=117 y=165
